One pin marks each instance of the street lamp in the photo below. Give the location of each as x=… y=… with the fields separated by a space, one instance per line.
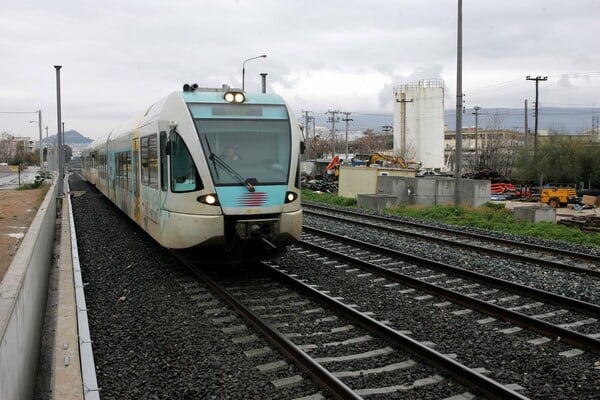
x=244 y=67
x=39 y=122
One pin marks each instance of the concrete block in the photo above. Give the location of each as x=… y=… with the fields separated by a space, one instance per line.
x=535 y=214
x=377 y=201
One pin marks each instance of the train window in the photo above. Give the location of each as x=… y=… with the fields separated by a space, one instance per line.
x=163 y=161
x=184 y=175
x=153 y=161
x=102 y=166
x=123 y=169
x=263 y=148
x=145 y=164
x=149 y=156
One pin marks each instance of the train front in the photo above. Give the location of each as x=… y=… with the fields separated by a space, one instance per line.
x=251 y=147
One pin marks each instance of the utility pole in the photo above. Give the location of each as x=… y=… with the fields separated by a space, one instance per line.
x=47 y=150
x=537 y=80
x=403 y=102
x=476 y=113
x=333 y=119
x=41 y=150
x=526 y=128
x=459 y=108
x=347 y=120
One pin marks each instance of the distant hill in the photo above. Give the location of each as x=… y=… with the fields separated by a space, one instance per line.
x=565 y=120
x=71 y=137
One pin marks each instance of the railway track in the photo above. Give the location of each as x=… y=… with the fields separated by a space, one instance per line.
x=519 y=251
x=469 y=289
x=347 y=352
x=540 y=364
x=159 y=331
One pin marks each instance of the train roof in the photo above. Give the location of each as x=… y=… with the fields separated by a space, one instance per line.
x=206 y=95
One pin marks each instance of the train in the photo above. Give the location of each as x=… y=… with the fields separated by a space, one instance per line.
x=212 y=172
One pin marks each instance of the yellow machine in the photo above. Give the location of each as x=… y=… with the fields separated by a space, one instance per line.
x=395 y=160
x=558 y=196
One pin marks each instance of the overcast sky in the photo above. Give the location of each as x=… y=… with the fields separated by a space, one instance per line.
x=120 y=56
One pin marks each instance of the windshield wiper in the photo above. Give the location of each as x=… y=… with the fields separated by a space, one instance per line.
x=227 y=168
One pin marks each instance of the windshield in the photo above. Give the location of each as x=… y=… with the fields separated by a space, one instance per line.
x=257 y=151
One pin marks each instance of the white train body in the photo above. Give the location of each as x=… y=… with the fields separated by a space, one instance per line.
x=207 y=169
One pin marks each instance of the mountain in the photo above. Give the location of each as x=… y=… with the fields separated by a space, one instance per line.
x=71 y=137
x=564 y=120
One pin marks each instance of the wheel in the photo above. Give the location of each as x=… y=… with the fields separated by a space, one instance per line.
x=554 y=203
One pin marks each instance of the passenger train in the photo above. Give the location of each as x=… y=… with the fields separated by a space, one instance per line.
x=213 y=171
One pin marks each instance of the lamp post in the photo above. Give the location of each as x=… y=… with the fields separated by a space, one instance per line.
x=39 y=122
x=60 y=135
x=244 y=67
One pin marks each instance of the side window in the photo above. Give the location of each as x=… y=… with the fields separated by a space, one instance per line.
x=149 y=156
x=102 y=166
x=153 y=161
x=123 y=169
x=145 y=161
x=184 y=175
x=164 y=181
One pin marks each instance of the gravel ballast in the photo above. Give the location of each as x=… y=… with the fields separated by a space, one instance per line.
x=151 y=339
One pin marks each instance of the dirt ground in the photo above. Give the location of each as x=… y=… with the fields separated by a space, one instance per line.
x=17 y=210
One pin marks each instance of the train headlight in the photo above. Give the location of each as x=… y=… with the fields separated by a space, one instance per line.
x=209 y=199
x=234 y=97
x=290 y=197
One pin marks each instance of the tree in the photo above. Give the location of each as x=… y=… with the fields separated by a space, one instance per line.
x=371 y=142
x=6 y=147
x=560 y=159
x=587 y=157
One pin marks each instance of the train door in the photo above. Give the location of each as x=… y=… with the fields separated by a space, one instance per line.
x=136 y=179
x=150 y=188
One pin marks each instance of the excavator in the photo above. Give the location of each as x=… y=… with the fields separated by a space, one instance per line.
x=394 y=160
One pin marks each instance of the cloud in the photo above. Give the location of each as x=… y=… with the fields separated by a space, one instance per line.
x=120 y=56
x=386 y=94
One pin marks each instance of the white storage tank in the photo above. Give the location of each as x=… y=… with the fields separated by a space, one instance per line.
x=419 y=123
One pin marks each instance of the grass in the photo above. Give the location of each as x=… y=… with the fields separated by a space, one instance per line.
x=491 y=216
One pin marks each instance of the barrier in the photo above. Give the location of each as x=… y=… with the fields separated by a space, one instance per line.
x=23 y=293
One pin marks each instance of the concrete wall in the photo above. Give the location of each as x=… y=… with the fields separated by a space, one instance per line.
x=23 y=293
x=431 y=191
x=363 y=180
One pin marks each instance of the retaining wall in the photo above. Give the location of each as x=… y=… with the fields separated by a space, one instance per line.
x=23 y=293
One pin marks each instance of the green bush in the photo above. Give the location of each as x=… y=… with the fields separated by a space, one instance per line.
x=328 y=198
x=29 y=186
